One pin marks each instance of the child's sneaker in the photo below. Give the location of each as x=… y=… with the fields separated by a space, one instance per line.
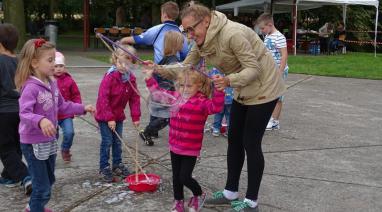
x=27 y=185
x=215 y=132
x=121 y=170
x=270 y=124
x=66 y=156
x=196 y=203
x=178 y=206
x=146 y=138
x=27 y=209
x=8 y=182
x=106 y=174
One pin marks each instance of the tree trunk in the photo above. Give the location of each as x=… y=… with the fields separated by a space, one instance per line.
x=14 y=14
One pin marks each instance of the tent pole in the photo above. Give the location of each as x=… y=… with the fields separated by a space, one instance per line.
x=294 y=14
x=375 y=35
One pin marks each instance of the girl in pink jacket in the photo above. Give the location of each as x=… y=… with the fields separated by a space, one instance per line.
x=118 y=87
x=186 y=131
x=69 y=90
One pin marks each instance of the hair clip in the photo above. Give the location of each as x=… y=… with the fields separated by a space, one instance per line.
x=39 y=42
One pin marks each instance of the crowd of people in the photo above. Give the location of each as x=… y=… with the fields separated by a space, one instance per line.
x=246 y=86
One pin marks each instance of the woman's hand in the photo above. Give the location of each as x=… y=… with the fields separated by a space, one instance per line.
x=220 y=82
x=47 y=127
x=111 y=125
x=90 y=109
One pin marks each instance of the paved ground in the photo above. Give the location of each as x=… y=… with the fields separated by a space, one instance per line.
x=326 y=157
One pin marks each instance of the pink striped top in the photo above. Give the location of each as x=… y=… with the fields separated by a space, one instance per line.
x=187 y=122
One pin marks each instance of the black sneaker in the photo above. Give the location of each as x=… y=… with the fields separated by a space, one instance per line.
x=146 y=138
x=121 y=170
x=106 y=174
x=27 y=185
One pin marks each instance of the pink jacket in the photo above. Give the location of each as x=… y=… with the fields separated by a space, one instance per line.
x=69 y=90
x=187 y=122
x=113 y=96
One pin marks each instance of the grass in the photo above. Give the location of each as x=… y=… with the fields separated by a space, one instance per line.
x=350 y=65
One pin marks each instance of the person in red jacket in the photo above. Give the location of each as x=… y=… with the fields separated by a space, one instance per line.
x=118 y=87
x=69 y=90
x=186 y=130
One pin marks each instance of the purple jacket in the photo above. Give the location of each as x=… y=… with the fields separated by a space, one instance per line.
x=37 y=102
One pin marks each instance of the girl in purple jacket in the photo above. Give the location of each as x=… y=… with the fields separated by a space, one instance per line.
x=40 y=102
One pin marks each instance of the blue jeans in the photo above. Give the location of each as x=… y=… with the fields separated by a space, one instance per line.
x=68 y=132
x=218 y=118
x=110 y=140
x=42 y=173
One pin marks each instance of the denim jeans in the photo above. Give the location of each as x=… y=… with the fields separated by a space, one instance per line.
x=110 y=140
x=218 y=118
x=42 y=173
x=68 y=132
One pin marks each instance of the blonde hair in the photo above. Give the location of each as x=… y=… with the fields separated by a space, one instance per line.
x=118 y=52
x=173 y=42
x=198 y=11
x=171 y=9
x=29 y=52
x=195 y=77
x=265 y=18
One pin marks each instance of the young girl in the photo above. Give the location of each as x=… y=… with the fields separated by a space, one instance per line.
x=69 y=90
x=117 y=88
x=40 y=101
x=186 y=131
x=173 y=43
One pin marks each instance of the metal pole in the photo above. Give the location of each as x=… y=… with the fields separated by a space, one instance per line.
x=294 y=14
x=86 y=25
x=375 y=35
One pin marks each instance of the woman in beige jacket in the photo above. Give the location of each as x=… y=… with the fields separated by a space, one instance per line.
x=240 y=54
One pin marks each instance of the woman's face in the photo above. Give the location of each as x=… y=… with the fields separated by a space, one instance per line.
x=196 y=29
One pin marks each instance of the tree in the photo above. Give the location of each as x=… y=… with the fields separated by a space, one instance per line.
x=14 y=14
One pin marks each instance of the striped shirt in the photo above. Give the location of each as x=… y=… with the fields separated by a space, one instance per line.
x=274 y=43
x=42 y=151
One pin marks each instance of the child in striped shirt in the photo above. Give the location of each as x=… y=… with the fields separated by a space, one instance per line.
x=186 y=131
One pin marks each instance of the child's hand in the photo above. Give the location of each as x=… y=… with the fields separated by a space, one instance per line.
x=90 y=109
x=136 y=124
x=111 y=125
x=47 y=127
x=148 y=72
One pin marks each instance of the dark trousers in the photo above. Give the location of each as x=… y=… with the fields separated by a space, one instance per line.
x=10 y=152
x=182 y=167
x=42 y=173
x=247 y=126
x=155 y=124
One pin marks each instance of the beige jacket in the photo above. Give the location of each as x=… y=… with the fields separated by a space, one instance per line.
x=238 y=52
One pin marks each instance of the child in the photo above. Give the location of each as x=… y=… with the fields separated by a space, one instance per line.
x=173 y=43
x=69 y=90
x=117 y=88
x=218 y=118
x=275 y=41
x=40 y=101
x=186 y=131
x=14 y=171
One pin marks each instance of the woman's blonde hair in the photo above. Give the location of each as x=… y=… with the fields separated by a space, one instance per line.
x=32 y=49
x=173 y=42
x=196 y=10
x=118 y=52
x=195 y=77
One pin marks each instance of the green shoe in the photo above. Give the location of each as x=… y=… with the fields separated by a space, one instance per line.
x=218 y=198
x=241 y=206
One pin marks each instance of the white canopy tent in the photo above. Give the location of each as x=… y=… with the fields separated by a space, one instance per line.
x=280 y=6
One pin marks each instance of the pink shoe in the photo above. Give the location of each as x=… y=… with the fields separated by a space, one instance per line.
x=196 y=203
x=27 y=209
x=178 y=206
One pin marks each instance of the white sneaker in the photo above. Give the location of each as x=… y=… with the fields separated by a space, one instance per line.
x=276 y=125
x=215 y=132
x=270 y=124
